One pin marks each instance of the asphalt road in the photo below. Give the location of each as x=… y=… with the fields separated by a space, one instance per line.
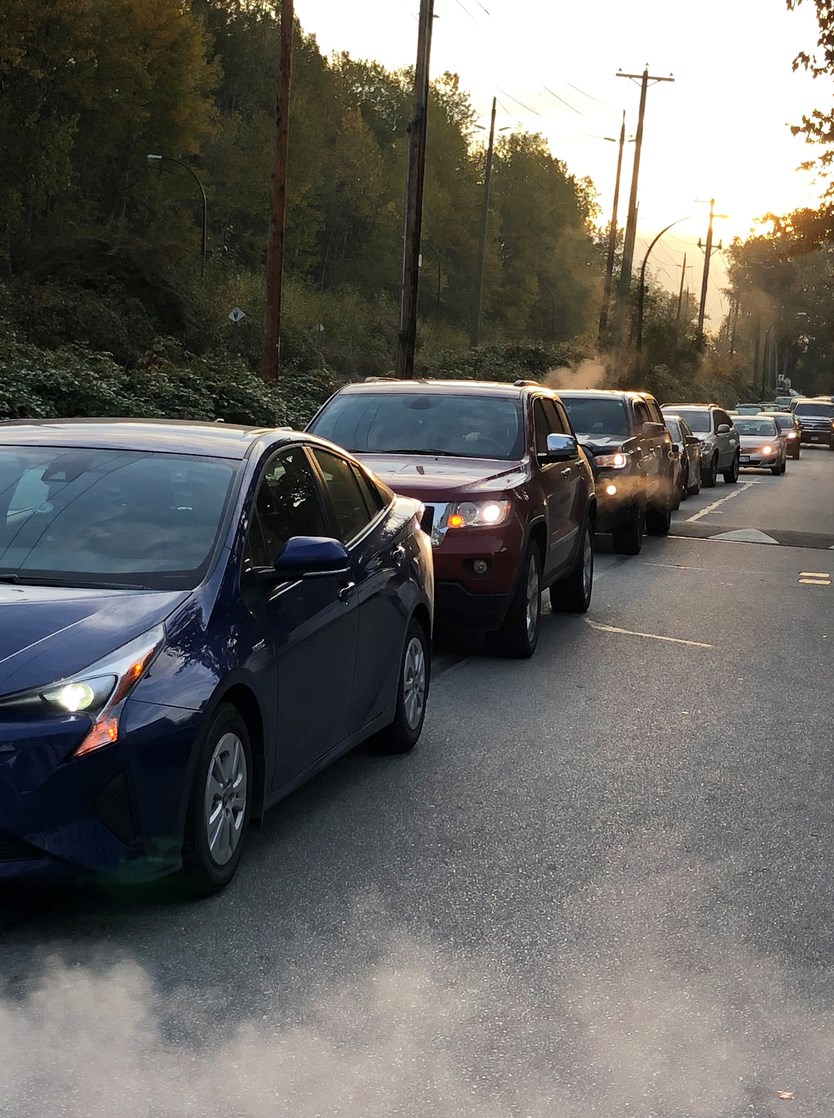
x=602 y=885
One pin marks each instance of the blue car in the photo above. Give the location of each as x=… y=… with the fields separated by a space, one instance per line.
x=194 y=619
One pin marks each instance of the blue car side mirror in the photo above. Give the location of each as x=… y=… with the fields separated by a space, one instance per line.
x=311 y=557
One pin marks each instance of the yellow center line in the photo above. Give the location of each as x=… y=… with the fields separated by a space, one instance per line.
x=815 y=581
x=814 y=574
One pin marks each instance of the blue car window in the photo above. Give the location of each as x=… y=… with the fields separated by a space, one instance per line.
x=287 y=504
x=348 y=498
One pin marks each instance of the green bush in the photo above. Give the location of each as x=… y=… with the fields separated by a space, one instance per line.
x=68 y=382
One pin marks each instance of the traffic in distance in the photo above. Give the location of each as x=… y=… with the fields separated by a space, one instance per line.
x=199 y=618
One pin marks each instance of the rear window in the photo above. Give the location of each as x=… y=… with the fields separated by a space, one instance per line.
x=596 y=415
x=460 y=426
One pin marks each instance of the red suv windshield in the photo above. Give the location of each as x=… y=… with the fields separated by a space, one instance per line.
x=463 y=426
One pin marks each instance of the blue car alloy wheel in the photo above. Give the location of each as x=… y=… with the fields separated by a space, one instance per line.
x=196 y=620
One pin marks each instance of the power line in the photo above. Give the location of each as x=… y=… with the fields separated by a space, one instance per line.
x=521 y=103
x=589 y=95
x=461 y=4
x=563 y=101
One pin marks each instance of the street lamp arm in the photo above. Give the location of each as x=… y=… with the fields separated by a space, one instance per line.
x=641 y=289
x=204 y=200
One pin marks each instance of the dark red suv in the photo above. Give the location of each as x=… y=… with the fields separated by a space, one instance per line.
x=508 y=493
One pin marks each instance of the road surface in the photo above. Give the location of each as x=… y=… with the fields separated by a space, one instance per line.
x=602 y=885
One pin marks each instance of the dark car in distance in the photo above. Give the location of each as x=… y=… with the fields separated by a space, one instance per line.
x=196 y=619
x=508 y=493
x=816 y=421
x=634 y=464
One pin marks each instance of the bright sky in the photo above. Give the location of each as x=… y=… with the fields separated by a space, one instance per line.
x=719 y=131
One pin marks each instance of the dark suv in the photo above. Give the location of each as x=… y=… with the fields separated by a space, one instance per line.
x=633 y=459
x=816 y=421
x=508 y=493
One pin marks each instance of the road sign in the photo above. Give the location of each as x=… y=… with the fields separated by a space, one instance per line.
x=237 y=315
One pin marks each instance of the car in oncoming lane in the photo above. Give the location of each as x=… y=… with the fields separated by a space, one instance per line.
x=816 y=421
x=508 y=493
x=763 y=446
x=196 y=619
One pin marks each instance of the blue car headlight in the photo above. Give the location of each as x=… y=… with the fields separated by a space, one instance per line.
x=99 y=691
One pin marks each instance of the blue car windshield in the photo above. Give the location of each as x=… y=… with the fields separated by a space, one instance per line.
x=460 y=425
x=80 y=517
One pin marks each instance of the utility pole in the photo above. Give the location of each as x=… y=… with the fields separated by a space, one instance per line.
x=475 y=325
x=707 y=256
x=414 y=195
x=631 y=217
x=278 y=201
x=612 y=238
x=680 y=293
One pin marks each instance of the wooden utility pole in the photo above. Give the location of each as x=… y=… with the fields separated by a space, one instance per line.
x=278 y=201
x=631 y=217
x=475 y=325
x=414 y=195
x=612 y=239
x=707 y=257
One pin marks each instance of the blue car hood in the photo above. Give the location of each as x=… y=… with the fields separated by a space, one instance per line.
x=48 y=633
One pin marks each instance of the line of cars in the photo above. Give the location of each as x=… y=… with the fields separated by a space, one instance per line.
x=198 y=618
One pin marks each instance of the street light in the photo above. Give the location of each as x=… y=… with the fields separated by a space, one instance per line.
x=642 y=288
x=204 y=229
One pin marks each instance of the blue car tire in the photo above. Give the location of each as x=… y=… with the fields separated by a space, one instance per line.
x=219 y=805
x=412 y=693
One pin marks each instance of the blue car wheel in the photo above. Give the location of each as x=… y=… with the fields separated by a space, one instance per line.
x=220 y=804
x=412 y=693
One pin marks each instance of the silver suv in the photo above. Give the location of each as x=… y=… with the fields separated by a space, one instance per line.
x=719 y=439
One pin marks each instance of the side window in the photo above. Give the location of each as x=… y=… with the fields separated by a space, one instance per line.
x=287 y=504
x=654 y=411
x=377 y=495
x=557 y=427
x=722 y=417
x=641 y=415
x=541 y=424
x=350 y=498
x=563 y=418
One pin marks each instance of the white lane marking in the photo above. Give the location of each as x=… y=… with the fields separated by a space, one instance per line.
x=815 y=574
x=710 y=508
x=815 y=581
x=676 y=566
x=646 y=636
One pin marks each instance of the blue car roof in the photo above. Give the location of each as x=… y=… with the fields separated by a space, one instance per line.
x=171 y=436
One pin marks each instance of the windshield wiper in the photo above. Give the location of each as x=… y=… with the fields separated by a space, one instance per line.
x=432 y=452
x=70 y=584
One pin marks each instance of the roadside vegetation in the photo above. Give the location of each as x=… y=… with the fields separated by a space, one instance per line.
x=104 y=307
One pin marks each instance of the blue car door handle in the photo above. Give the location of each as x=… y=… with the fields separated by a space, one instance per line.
x=346 y=591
